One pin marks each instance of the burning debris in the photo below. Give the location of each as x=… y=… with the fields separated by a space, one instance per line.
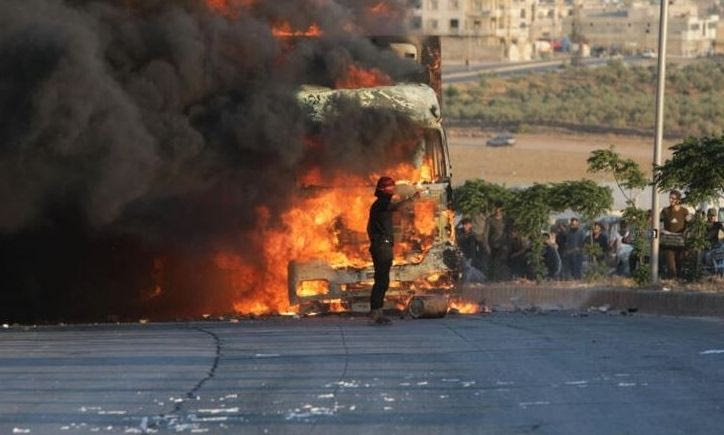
x=153 y=152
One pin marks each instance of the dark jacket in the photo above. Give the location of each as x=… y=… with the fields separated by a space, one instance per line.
x=712 y=232
x=468 y=245
x=379 y=225
x=575 y=240
x=552 y=261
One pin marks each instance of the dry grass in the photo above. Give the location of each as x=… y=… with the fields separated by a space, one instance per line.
x=538 y=157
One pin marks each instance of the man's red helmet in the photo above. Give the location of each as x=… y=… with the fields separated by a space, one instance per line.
x=385 y=185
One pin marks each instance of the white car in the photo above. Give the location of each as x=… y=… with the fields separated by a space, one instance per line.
x=501 y=140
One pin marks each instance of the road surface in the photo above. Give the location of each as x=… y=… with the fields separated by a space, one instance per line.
x=458 y=74
x=501 y=373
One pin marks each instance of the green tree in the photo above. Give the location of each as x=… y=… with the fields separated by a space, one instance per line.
x=530 y=209
x=478 y=196
x=696 y=167
x=584 y=197
x=696 y=242
x=626 y=172
x=629 y=178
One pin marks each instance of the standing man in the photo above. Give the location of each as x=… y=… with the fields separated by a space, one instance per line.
x=713 y=228
x=468 y=243
x=380 y=232
x=712 y=235
x=575 y=240
x=478 y=219
x=674 y=218
x=599 y=237
x=551 y=258
x=560 y=232
x=496 y=244
x=471 y=249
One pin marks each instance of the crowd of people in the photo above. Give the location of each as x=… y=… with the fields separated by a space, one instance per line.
x=495 y=251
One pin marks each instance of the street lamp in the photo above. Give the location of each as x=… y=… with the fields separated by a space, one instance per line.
x=660 y=87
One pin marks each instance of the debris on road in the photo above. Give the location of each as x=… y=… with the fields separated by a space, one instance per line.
x=428 y=306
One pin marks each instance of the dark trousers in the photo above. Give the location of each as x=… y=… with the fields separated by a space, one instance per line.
x=497 y=267
x=574 y=264
x=382 y=260
x=674 y=259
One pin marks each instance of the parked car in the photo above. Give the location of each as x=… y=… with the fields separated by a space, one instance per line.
x=648 y=54
x=501 y=140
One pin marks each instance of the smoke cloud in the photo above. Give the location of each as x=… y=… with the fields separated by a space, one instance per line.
x=137 y=130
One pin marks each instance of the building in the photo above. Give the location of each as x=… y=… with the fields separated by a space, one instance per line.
x=547 y=19
x=476 y=30
x=634 y=27
x=484 y=30
x=719 y=42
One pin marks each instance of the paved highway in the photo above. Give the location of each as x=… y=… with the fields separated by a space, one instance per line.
x=501 y=373
x=461 y=74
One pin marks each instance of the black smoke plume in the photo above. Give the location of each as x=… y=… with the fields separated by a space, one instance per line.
x=137 y=137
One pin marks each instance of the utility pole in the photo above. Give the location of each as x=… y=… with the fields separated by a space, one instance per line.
x=577 y=36
x=660 y=87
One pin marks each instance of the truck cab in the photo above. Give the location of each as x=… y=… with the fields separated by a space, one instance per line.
x=426 y=259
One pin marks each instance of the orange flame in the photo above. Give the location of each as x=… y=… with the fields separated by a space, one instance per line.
x=336 y=306
x=313 y=288
x=465 y=307
x=328 y=225
x=425 y=209
x=283 y=29
x=320 y=224
x=357 y=77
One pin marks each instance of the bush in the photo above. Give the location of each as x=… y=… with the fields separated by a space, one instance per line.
x=529 y=209
x=616 y=95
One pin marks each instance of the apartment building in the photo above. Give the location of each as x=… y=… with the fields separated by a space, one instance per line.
x=481 y=30
x=634 y=27
x=719 y=41
x=474 y=30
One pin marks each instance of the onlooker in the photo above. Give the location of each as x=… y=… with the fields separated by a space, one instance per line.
x=468 y=243
x=600 y=239
x=713 y=227
x=620 y=245
x=560 y=231
x=470 y=248
x=478 y=219
x=496 y=244
x=551 y=258
x=573 y=254
x=466 y=239
x=713 y=257
x=479 y=226
x=518 y=258
x=674 y=218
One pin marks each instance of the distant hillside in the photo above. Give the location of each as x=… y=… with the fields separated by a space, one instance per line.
x=615 y=97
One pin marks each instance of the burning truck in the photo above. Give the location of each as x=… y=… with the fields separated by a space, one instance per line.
x=426 y=260
x=193 y=172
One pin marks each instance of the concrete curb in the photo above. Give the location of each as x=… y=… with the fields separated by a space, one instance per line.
x=510 y=298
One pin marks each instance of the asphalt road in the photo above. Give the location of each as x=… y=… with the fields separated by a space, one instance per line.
x=457 y=74
x=501 y=373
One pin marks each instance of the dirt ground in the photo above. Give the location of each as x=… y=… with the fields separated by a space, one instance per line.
x=539 y=157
